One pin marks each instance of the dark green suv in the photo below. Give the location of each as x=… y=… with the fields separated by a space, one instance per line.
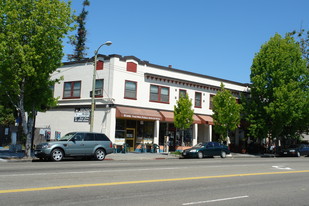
x=75 y=144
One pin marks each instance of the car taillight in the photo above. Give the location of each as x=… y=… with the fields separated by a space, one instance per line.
x=110 y=145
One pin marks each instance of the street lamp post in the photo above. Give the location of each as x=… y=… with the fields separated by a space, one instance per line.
x=108 y=43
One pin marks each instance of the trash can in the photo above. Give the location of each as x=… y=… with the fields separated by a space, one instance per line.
x=155 y=148
x=148 y=148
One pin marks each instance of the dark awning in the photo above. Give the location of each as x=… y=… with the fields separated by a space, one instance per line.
x=206 y=119
x=169 y=117
x=137 y=113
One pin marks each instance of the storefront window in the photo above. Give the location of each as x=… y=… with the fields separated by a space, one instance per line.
x=148 y=129
x=131 y=124
x=188 y=136
x=145 y=130
x=120 y=131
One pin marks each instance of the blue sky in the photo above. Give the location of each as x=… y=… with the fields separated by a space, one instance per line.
x=218 y=38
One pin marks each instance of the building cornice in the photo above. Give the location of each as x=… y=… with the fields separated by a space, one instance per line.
x=147 y=63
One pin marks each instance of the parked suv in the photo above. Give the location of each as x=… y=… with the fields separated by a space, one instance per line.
x=75 y=144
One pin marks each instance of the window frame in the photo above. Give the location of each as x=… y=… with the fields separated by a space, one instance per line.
x=211 y=96
x=125 y=90
x=181 y=90
x=71 y=90
x=99 y=96
x=159 y=99
x=195 y=105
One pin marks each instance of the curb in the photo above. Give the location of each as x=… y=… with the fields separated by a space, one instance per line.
x=136 y=158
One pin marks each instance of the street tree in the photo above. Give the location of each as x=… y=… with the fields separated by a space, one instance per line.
x=302 y=38
x=279 y=101
x=183 y=114
x=6 y=115
x=79 y=40
x=226 y=113
x=31 y=33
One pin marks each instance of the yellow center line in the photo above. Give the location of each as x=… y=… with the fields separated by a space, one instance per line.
x=147 y=181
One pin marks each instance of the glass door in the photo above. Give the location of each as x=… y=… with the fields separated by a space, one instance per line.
x=130 y=139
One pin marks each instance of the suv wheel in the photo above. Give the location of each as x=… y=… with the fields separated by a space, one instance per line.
x=57 y=155
x=99 y=154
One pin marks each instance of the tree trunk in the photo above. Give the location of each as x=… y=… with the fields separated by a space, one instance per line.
x=27 y=123
x=182 y=137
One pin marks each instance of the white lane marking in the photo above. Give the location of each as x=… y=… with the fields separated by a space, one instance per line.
x=216 y=200
x=282 y=168
x=3 y=160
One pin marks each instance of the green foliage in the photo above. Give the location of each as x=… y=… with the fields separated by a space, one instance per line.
x=79 y=40
x=226 y=112
x=183 y=113
x=6 y=116
x=278 y=106
x=302 y=38
x=31 y=33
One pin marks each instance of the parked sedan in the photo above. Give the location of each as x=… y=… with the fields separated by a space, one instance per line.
x=207 y=149
x=296 y=150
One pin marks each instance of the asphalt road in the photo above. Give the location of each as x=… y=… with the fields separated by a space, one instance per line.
x=254 y=181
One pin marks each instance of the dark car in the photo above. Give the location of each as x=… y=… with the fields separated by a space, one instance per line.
x=76 y=144
x=207 y=149
x=296 y=150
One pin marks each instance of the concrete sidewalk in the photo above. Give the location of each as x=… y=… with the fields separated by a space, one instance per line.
x=6 y=156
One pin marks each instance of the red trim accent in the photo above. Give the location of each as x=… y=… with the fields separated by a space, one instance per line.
x=131 y=67
x=100 y=65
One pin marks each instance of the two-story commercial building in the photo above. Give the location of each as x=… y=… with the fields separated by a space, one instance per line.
x=134 y=101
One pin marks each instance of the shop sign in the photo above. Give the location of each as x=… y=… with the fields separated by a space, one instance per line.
x=140 y=117
x=82 y=115
x=119 y=141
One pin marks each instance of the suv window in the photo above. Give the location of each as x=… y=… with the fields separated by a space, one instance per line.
x=79 y=137
x=101 y=137
x=89 y=137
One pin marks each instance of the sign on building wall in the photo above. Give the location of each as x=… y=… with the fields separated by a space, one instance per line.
x=57 y=135
x=82 y=115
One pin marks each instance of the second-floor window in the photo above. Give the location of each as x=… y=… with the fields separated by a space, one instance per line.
x=130 y=90
x=72 y=89
x=52 y=88
x=198 y=100
x=182 y=93
x=99 y=85
x=211 y=98
x=159 y=94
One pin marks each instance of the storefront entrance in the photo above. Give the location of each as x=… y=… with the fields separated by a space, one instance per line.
x=167 y=135
x=130 y=139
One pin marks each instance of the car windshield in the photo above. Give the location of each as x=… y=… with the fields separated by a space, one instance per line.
x=199 y=145
x=67 y=136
